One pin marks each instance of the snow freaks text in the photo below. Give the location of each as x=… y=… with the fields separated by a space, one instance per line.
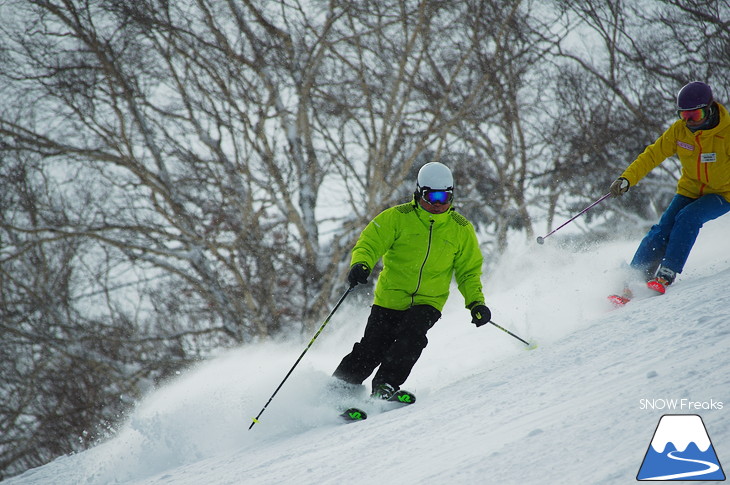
x=679 y=404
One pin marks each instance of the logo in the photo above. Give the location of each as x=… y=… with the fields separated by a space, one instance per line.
x=708 y=157
x=681 y=450
x=686 y=146
x=354 y=414
x=680 y=404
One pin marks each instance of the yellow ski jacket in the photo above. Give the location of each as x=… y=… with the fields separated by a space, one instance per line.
x=421 y=253
x=704 y=154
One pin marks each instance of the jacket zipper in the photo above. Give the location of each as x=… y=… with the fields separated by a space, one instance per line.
x=699 y=167
x=420 y=271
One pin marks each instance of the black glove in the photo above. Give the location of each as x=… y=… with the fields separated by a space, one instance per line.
x=480 y=314
x=359 y=273
x=619 y=186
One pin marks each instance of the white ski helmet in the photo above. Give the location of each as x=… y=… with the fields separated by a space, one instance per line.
x=435 y=176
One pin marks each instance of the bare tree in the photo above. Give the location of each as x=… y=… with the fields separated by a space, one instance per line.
x=180 y=176
x=496 y=142
x=619 y=87
x=67 y=374
x=210 y=165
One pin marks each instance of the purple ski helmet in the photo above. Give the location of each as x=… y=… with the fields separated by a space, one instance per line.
x=694 y=95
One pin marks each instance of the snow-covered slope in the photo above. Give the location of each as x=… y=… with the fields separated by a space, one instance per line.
x=577 y=410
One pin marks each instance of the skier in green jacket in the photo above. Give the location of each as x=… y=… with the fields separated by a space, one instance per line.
x=423 y=244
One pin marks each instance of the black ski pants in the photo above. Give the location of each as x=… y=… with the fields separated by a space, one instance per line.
x=393 y=340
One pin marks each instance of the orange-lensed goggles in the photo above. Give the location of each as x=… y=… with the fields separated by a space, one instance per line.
x=692 y=114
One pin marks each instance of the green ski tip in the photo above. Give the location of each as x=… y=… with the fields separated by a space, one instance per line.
x=354 y=414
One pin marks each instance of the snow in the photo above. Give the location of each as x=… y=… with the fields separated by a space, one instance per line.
x=581 y=408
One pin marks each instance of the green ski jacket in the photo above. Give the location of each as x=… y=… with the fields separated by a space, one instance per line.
x=421 y=253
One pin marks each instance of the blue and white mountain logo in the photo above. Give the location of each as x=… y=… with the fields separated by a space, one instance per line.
x=681 y=450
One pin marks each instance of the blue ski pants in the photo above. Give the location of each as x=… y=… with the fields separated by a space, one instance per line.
x=669 y=242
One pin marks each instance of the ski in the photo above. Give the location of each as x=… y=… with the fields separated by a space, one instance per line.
x=397 y=400
x=354 y=414
x=403 y=397
x=620 y=300
x=655 y=288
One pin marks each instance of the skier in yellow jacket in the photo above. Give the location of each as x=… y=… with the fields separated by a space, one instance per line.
x=700 y=138
x=424 y=244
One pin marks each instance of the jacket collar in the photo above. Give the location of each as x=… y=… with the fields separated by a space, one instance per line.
x=427 y=217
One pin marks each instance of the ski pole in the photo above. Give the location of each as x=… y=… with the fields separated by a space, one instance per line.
x=324 y=324
x=541 y=240
x=529 y=345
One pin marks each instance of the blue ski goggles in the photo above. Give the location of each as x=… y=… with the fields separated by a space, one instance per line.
x=437 y=196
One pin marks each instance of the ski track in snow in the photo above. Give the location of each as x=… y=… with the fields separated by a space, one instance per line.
x=488 y=411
